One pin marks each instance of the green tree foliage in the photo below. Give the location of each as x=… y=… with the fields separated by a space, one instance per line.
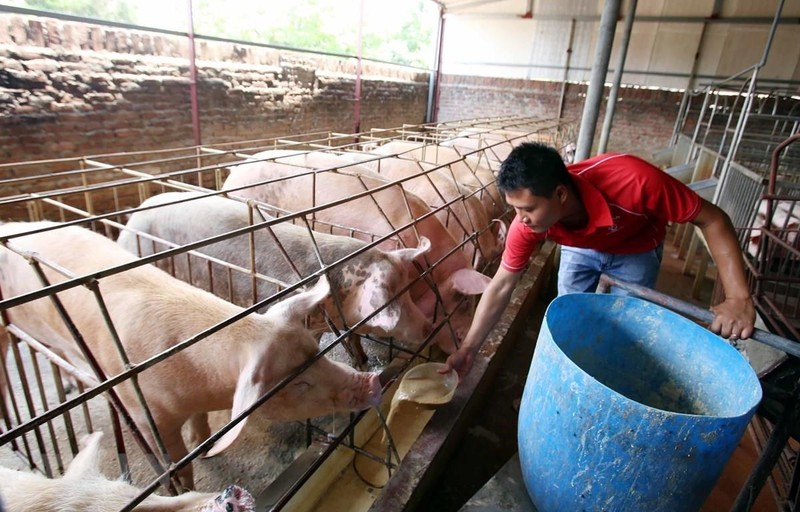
x=112 y=10
x=398 y=31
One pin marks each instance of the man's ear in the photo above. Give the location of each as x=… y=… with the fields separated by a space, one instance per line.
x=562 y=192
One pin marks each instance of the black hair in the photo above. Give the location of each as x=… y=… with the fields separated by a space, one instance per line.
x=534 y=166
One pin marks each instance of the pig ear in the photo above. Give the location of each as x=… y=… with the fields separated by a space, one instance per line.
x=469 y=282
x=297 y=307
x=388 y=317
x=85 y=462
x=412 y=254
x=502 y=231
x=247 y=392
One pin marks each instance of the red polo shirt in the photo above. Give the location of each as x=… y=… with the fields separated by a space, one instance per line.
x=629 y=202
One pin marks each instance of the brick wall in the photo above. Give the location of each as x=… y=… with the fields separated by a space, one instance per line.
x=69 y=89
x=72 y=89
x=643 y=118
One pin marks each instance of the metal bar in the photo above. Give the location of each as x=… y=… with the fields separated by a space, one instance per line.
x=611 y=103
x=567 y=59
x=770 y=454
x=437 y=92
x=357 y=93
x=193 y=78
x=95 y=366
x=746 y=20
x=687 y=308
x=591 y=106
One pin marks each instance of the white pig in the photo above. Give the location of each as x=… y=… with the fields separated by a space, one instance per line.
x=465 y=215
x=362 y=283
x=296 y=188
x=468 y=169
x=83 y=488
x=152 y=311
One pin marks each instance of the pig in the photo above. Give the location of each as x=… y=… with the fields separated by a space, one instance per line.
x=785 y=223
x=362 y=284
x=496 y=146
x=84 y=488
x=468 y=168
x=151 y=312
x=296 y=188
x=465 y=215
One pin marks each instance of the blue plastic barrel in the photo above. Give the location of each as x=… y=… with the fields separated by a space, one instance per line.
x=629 y=406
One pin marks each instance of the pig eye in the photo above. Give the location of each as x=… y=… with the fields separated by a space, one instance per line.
x=300 y=386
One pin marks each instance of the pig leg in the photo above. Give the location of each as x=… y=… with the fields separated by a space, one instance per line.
x=176 y=448
x=85 y=462
x=5 y=338
x=169 y=427
x=352 y=344
x=199 y=430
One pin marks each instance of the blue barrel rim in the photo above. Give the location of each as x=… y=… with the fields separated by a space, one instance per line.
x=721 y=342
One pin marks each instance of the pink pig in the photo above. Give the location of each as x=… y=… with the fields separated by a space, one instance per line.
x=296 y=187
x=84 y=488
x=151 y=312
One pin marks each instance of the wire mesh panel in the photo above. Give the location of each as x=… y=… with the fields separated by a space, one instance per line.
x=148 y=296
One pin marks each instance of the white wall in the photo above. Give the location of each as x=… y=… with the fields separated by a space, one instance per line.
x=495 y=38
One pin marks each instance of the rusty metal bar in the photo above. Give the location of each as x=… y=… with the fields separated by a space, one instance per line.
x=97 y=369
x=687 y=308
x=149 y=184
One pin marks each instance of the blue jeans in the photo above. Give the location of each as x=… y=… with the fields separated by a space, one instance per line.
x=580 y=269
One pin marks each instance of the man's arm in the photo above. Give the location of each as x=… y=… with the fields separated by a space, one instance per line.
x=491 y=306
x=736 y=315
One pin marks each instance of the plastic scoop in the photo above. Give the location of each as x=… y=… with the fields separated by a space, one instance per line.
x=424 y=385
x=421 y=385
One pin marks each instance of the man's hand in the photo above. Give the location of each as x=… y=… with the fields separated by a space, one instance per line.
x=734 y=318
x=461 y=361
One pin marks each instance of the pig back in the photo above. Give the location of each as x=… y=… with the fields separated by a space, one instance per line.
x=362 y=280
x=282 y=254
x=374 y=215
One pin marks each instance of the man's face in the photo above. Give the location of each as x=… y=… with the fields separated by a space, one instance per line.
x=537 y=212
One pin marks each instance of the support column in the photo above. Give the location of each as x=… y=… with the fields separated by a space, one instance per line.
x=611 y=104
x=591 y=107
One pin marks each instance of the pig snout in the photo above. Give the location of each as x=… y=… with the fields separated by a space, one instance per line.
x=364 y=394
x=374 y=390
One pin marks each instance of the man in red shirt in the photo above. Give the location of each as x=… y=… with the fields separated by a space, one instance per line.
x=609 y=214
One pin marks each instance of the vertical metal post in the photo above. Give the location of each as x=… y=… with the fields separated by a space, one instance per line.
x=357 y=98
x=566 y=69
x=748 y=101
x=680 y=120
x=591 y=107
x=697 y=126
x=611 y=104
x=193 y=80
x=436 y=90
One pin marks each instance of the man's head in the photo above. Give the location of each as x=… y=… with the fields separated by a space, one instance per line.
x=534 y=166
x=535 y=182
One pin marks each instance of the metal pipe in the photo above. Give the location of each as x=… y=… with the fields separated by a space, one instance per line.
x=591 y=106
x=611 y=103
x=193 y=80
x=770 y=454
x=437 y=90
x=737 y=20
x=607 y=281
x=560 y=112
x=357 y=98
x=742 y=121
